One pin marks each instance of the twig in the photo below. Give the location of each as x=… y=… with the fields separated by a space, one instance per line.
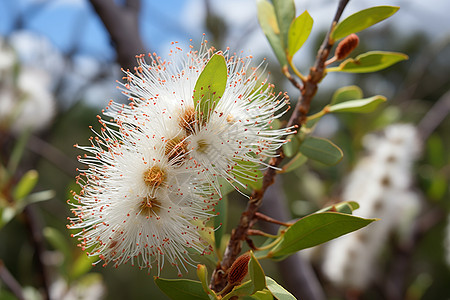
x=35 y=230
x=434 y=116
x=297 y=273
x=10 y=281
x=395 y=284
x=122 y=25
x=298 y=117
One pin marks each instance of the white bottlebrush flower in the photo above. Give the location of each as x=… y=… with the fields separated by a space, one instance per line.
x=381 y=184
x=152 y=175
x=138 y=203
x=234 y=139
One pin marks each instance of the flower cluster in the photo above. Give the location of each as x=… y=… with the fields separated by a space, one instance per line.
x=152 y=176
x=381 y=184
x=26 y=101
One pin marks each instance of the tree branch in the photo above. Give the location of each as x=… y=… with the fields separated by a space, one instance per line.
x=122 y=25
x=298 y=117
x=10 y=281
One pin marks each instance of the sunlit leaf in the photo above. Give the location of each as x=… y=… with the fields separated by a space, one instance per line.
x=257 y=275
x=321 y=150
x=345 y=207
x=181 y=289
x=269 y=24
x=26 y=184
x=316 y=229
x=298 y=33
x=346 y=93
x=278 y=291
x=371 y=61
x=285 y=13
x=202 y=274
x=210 y=85
x=362 y=20
x=359 y=106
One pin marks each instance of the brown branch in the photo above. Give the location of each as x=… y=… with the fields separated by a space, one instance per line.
x=35 y=230
x=10 y=281
x=298 y=117
x=123 y=28
x=434 y=116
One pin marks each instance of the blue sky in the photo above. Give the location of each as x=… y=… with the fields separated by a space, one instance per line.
x=73 y=22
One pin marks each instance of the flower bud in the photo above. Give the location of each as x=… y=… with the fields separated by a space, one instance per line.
x=346 y=46
x=239 y=269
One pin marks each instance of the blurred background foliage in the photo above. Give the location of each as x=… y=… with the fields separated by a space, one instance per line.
x=67 y=41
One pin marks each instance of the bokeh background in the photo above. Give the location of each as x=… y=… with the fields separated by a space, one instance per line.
x=58 y=69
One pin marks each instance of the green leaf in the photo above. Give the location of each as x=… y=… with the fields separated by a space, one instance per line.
x=297 y=161
x=202 y=274
x=244 y=289
x=346 y=207
x=18 y=150
x=210 y=85
x=346 y=93
x=248 y=174
x=26 y=184
x=316 y=229
x=181 y=289
x=362 y=20
x=321 y=150
x=269 y=25
x=7 y=214
x=359 y=106
x=81 y=265
x=285 y=13
x=371 y=61
x=366 y=105
x=220 y=220
x=278 y=291
x=291 y=147
x=259 y=295
x=298 y=33
x=257 y=275
x=57 y=240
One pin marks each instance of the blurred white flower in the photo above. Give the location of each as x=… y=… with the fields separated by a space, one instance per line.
x=26 y=100
x=381 y=184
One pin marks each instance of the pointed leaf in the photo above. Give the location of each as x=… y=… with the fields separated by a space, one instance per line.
x=298 y=33
x=362 y=20
x=269 y=24
x=181 y=289
x=202 y=274
x=346 y=93
x=26 y=184
x=360 y=106
x=257 y=275
x=316 y=229
x=321 y=150
x=371 y=61
x=285 y=13
x=345 y=207
x=278 y=291
x=210 y=85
